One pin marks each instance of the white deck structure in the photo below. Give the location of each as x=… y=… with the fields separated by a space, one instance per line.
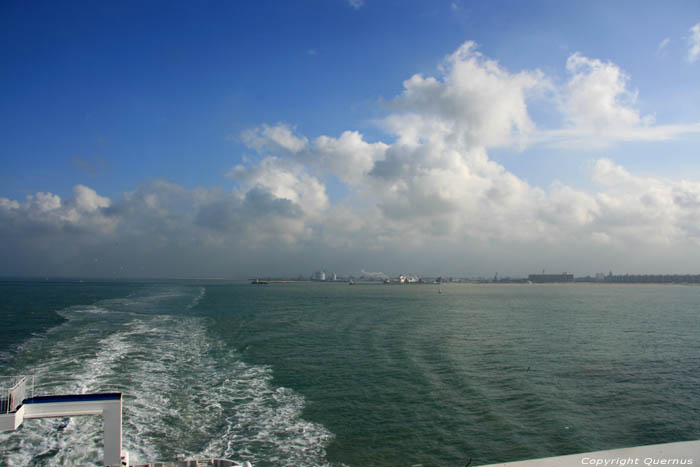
x=16 y=407
x=683 y=453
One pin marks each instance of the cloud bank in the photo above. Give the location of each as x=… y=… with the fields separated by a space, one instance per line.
x=428 y=198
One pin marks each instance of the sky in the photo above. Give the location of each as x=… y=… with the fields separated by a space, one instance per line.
x=276 y=138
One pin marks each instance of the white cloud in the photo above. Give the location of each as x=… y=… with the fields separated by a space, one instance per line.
x=599 y=109
x=282 y=180
x=8 y=204
x=462 y=205
x=275 y=139
x=475 y=100
x=662 y=45
x=597 y=98
x=435 y=181
x=44 y=202
x=46 y=213
x=694 y=43
x=349 y=157
x=356 y=4
x=646 y=209
x=428 y=197
x=87 y=199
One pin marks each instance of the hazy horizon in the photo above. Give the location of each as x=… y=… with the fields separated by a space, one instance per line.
x=271 y=139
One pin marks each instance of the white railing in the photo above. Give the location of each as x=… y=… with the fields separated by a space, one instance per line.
x=13 y=390
x=57 y=382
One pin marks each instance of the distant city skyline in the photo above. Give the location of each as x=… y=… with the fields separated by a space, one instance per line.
x=446 y=138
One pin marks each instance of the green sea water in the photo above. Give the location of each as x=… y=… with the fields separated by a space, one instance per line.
x=331 y=374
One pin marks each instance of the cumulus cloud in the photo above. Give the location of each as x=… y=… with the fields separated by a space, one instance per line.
x=349 y=157
x=165 y=229
x=45 y=233
x=282 y=180
x=475 y=100
x=87 y=199
x=599 y=109
x=43 y=213
x=428 y=197
x=435 y=181
x=648 y=209
x=694 y=44
x=598 y=97
x=277 y=138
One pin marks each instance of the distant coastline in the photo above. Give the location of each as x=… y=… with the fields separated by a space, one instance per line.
x=638 y=279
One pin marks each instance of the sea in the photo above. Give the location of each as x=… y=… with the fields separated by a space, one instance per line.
x=326 y=374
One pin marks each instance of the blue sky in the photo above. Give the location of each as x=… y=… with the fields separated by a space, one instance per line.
x=126 y=98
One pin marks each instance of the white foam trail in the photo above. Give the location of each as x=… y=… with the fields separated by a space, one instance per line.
x=198 y=298
x=68 y=366
x=265 y=425
x=195 y=394
x=184 y=393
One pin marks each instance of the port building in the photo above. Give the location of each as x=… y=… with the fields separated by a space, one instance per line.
x=550 y=278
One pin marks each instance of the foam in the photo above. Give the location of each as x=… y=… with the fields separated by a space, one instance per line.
x=185 y=393
x=198 y=298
